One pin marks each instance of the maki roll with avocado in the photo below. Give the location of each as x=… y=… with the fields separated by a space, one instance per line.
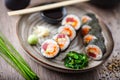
x=72 y=20
x=95 y=49
x=89 y=17
x=63 y=41
x=49 y=48
x=68 y=30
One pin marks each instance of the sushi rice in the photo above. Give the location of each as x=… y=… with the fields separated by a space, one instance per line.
x=94 y=52
x=68 y=30
x=89 y=17
x=88 y=38
x=72 y=20
x=86 y=19
x=96 y=49
x=49 y=48
x=63 y=41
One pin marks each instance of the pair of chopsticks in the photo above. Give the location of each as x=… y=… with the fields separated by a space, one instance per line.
x=45 y=7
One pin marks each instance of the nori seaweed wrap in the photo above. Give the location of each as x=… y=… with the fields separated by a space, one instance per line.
x=89 y=18
x=96 y=49
x=93 y=29
x=100 y=44
x=91 y=37
x=98 y=35
x=93 y=16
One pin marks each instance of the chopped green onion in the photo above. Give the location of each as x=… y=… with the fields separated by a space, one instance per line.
x=8 y=52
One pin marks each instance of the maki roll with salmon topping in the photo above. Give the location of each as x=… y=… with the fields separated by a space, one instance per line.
x=85 y=30
x=96 y=49
x=93 y=29
x=88 y=38
x=95 y=26
x=72 y=20
x=68 y=30
x=49 y=48
x=63 y=41
x=94 y=52
x=89 y=17
x=86 y=19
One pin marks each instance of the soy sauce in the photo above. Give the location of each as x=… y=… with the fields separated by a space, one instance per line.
x=54 y=13
x=54 y=16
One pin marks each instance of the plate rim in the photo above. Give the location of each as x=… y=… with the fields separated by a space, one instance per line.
x=67 y=70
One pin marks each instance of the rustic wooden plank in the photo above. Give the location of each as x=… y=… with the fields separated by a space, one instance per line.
x=8 y=27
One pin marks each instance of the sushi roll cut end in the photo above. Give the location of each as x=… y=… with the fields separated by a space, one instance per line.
x=63 y=41
x=68 y=30
x=72 y=20
x=85 y=19
x=49 y=49
x=88 y=38
x=85 y=30
x=94 y=52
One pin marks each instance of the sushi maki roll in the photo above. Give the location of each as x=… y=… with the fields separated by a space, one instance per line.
x=85 y=30
x=89 y=17
x=49 y=48
x=63 y=41
x=93 y=16
x=91 y=29
x=86 y=19
x=94 y=52
x=95 y=49
x=97 y=34
x=88 y=38
x=68 y=30
x=72 y=20
x=95 y=26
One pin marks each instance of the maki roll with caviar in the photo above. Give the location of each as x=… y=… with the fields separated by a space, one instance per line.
x=49 y=48
x=72 y=20
x=63 y=41
x=89 y=17
x=95 y=49
x=68 y=30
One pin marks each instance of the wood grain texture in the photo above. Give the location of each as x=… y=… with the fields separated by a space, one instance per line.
x=8 y=27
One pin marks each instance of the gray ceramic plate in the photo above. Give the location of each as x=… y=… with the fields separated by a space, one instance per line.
x=25 y=27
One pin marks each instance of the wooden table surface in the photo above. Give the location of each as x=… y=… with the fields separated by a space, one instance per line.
x=8 y=27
